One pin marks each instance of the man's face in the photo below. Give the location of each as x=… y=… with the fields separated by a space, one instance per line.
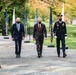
x=60 y=18
x=39 y=21
x=17 y=20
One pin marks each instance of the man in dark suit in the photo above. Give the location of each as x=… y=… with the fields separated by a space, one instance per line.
x=38 y=35
x=60 y=32
x=17 y=35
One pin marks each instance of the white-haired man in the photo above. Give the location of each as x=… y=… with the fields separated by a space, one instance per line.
x=17 y=35
x=38 y=35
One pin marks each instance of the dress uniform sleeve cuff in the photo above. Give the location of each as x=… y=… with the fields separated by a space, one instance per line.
x=65 y=34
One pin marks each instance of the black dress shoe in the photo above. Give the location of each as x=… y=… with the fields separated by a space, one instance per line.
x=39 y=56
x=58 y=55
x=19 y=56
x=16 y=56
x=64 y=55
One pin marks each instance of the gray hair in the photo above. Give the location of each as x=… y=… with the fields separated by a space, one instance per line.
x=18 y=18
x=39 y=19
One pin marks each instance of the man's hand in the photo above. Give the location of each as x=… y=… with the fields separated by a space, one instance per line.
x=45 y=38
x=12 y=39
x=65 y=36
x=55 y=36
x=23 y=38
x=33 y=39
x=6 y=34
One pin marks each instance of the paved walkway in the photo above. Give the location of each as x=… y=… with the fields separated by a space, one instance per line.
x=30 y=64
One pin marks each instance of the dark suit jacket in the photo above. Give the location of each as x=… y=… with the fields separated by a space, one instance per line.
x=60 y=29
x=37 y=33
x=17 y=35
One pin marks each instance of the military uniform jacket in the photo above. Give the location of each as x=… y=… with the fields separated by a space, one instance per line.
x=60 y=29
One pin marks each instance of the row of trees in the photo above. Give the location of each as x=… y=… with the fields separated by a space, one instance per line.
x=9 y=5
x=43 y=5
x=30 y=7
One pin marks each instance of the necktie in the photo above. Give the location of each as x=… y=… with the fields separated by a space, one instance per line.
x=39 y=27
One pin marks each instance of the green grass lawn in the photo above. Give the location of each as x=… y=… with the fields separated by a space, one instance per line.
x=71 y=36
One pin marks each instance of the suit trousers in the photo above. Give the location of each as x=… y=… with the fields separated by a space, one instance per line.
x=39 y=43
x=58 y=45
x=18 y=47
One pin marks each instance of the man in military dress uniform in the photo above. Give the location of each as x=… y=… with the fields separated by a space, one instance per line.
x=60 y=33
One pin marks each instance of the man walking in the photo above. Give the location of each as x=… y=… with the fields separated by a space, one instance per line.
x=17 y=35
x=60 y=32
x=38 y=35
